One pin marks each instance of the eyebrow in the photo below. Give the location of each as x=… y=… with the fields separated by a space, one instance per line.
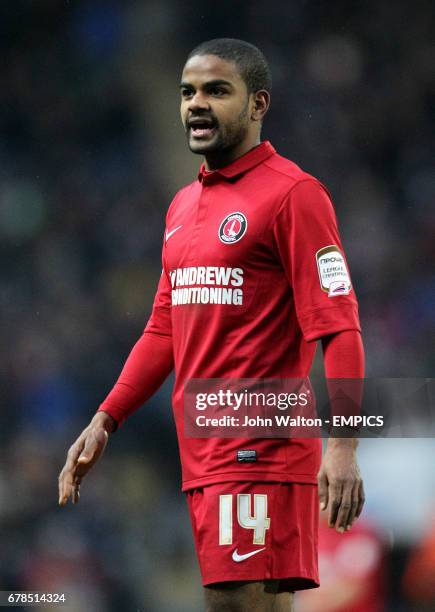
x=213 y=83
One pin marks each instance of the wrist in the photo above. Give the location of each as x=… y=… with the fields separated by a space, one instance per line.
x=338 y=443
x=104 y=420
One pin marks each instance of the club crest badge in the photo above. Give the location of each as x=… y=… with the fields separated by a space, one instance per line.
x=233 y=228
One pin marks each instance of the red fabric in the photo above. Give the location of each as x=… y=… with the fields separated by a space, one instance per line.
x=150 y=362
x=418 y=580
x=243 y=299
x=290 y=542
x=352 y=570
x=344 y=359
x=305 y=224
x=343 y=355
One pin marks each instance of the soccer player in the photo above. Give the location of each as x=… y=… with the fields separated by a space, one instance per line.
x=245 y=292
x=353 y=571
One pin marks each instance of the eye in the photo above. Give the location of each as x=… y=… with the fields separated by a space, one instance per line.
x=186 y=93
x=217 y=91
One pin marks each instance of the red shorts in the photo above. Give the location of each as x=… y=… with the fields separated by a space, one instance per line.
x=256 y=531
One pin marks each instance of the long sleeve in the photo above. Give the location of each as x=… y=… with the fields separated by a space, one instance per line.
x=343 y=355
x=344 y=368
x=309 y=245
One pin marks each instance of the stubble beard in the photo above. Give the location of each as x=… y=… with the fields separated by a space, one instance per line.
x=227 y=136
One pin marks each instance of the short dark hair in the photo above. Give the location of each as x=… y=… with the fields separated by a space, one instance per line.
x=250 y=61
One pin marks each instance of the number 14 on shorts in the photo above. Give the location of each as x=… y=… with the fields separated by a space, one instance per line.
x=255 y=519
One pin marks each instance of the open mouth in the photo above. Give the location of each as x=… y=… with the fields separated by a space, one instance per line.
x=202 y=128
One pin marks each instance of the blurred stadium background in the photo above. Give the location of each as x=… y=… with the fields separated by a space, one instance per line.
x=91 y=152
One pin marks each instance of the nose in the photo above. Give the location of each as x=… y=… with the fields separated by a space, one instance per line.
x=198 y=102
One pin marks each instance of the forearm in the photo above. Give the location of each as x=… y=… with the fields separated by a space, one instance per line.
x=343 y=355
x=344 y=359
x=147 y=366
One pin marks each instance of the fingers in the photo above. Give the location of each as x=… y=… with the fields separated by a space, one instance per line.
x=76 y=490
x=65 y=486
x=346 y=501
x=335 y=491
x=66 y=477
x=345 y=508
x=80 y=458
x=361 y=499
x=322 y=481
x=354 y=505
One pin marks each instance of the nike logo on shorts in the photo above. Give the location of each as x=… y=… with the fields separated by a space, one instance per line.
x=169 y=234
x=237 y=558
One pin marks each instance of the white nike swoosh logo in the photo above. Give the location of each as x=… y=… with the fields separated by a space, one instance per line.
x=237 y=558
x=169 y=234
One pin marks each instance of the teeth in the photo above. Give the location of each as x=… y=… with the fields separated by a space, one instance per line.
x=201 y=126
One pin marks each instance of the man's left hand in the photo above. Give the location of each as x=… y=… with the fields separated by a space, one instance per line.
x=341 y=489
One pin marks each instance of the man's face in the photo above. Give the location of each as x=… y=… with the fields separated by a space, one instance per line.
x=215 y=105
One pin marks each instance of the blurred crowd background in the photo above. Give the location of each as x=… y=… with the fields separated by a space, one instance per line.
x=91 y=153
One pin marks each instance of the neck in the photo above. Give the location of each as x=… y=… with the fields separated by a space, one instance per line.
x=219 y=159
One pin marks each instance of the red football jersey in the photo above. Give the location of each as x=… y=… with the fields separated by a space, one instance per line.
x=253 y=273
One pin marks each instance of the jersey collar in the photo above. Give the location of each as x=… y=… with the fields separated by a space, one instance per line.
x=250 y=159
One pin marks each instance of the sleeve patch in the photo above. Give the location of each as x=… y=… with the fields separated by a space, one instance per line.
x=333 y=274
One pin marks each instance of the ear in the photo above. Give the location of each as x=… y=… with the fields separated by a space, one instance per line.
x=261 y=103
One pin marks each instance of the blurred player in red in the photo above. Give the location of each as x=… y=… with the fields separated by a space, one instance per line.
x=352 y=571
x=253 y=275
x=419 y=577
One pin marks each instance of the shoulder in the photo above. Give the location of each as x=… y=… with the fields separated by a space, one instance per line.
x=286 y=171
x=183 y=197
x=295 y=187
x=291 y=181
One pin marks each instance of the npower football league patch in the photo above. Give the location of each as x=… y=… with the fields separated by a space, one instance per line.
x=333 y=273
